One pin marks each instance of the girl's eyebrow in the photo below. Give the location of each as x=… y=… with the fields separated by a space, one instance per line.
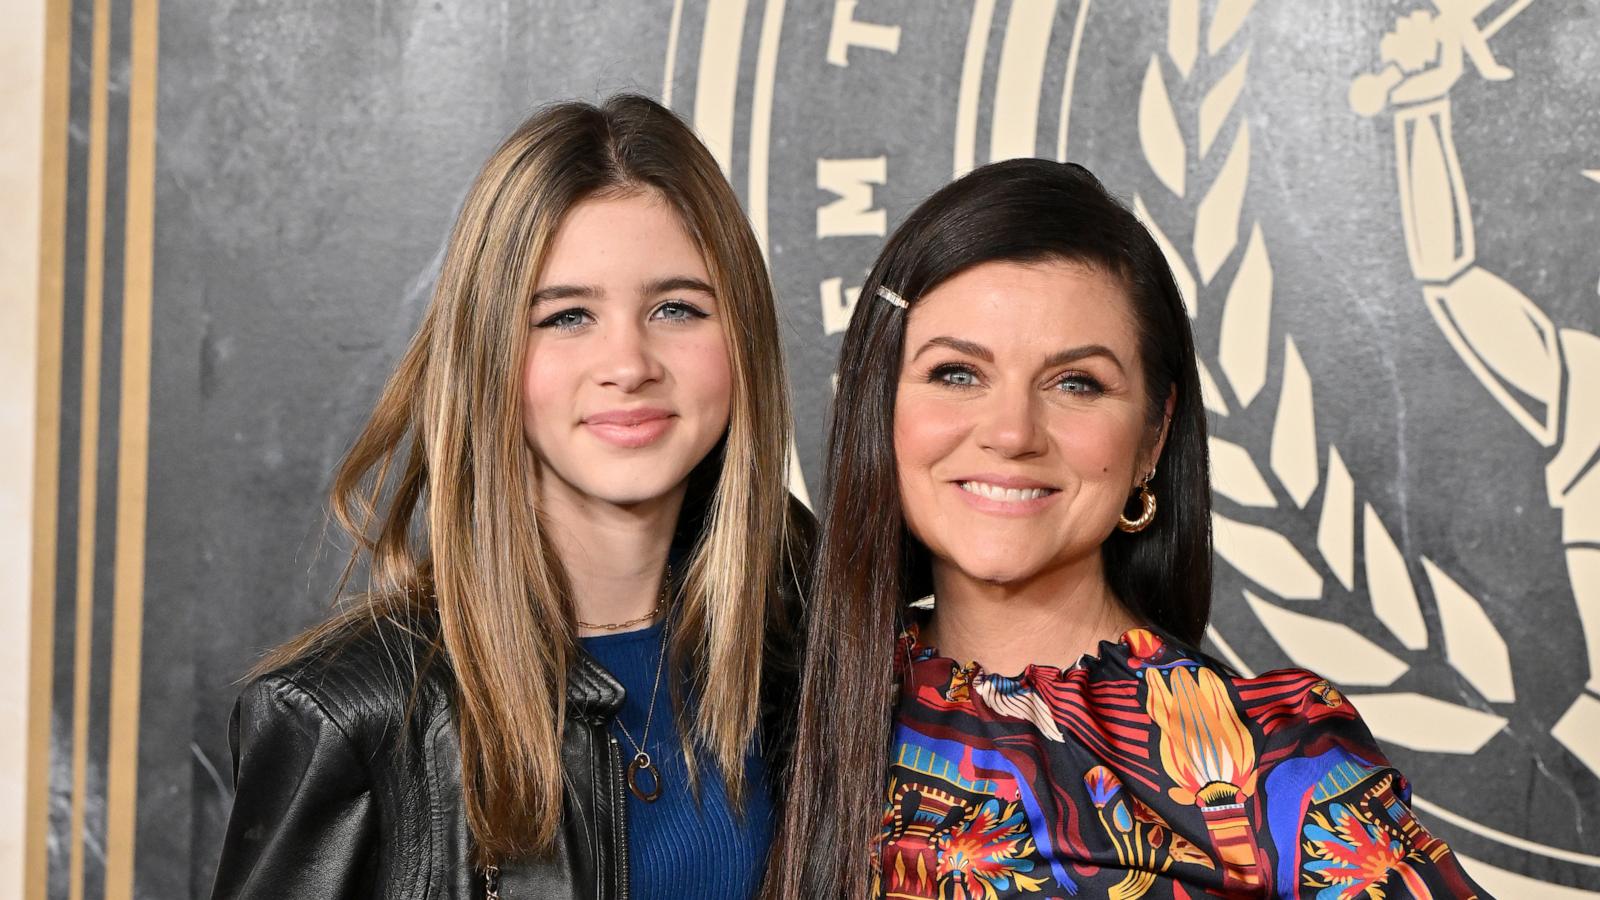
x=566 y=292
x=677 y=283
x=649 y=289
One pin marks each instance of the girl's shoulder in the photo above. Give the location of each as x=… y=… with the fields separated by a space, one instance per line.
x=373 y=677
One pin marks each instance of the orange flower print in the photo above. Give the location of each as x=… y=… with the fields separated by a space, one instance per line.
x=1211 y=758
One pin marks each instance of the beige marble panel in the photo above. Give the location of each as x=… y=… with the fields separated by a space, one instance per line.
x=21 y=117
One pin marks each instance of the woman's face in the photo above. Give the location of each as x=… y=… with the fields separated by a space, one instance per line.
x=627 y=383
x=1021 y=423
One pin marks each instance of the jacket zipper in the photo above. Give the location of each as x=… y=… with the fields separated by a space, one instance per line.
x=619 y=821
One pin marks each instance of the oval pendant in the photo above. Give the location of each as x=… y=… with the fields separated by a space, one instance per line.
x=641 y=765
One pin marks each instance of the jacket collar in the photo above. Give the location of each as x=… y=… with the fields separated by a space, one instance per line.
x=592 y=692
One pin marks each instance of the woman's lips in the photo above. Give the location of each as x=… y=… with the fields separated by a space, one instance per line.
x=629 y=428
x=1005 y=496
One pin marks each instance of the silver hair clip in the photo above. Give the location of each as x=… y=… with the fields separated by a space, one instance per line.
x=893 y=298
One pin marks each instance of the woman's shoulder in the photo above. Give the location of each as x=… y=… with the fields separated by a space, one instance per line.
x=368 y=675
x=1283 y=704
x=1325 y=791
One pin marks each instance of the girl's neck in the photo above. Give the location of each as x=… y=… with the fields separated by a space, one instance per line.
x=1051 y=619
x=615 y=557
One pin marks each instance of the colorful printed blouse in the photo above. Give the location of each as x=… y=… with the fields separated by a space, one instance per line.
x=1143 y=772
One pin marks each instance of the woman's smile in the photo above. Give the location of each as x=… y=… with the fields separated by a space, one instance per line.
x=1006 y=495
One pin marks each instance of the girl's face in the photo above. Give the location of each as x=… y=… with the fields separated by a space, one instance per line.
x=627 y=384
x=1020 y=422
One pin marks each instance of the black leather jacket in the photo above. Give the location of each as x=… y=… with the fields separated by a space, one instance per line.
x=346 y=786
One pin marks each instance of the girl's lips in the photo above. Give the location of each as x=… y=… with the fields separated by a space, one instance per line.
x=629 y=434
x=635 y=416
x=629 y=428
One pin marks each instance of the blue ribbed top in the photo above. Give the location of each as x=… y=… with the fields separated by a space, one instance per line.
x=680 y=847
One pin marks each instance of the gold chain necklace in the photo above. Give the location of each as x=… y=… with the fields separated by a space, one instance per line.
x=618 y=626
x=661 y=603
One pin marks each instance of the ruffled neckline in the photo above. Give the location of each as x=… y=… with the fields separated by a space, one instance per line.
x=1135 y=648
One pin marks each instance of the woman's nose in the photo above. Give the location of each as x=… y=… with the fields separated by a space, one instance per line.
x=1010 y=425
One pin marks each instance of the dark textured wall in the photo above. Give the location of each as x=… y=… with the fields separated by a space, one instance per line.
x=1407 y=493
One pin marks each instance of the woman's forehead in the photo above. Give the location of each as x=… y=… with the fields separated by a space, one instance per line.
x=1025 y=305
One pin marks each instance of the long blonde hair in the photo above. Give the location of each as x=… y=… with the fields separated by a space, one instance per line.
x=436 y=489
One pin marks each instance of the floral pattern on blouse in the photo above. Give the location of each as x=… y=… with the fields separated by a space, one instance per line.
x=1145 y=772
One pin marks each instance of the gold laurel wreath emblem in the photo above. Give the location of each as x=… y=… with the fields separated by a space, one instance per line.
x=1297 y=477
x=1499 y=334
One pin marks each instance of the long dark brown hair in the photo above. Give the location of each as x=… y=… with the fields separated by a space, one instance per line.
x=869 y=567
x=436 y=489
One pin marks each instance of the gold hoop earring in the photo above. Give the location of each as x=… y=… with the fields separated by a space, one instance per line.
x=1147 y=497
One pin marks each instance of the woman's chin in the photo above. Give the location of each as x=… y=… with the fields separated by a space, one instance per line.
x=997 y=569
x=1006 y=564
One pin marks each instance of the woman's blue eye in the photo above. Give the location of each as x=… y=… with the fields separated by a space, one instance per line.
x=566 y=320
x=1079 y=384
x=955 y=376
x=678 y=311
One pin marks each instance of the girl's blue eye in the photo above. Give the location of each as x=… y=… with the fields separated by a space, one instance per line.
x=678 y=311
x=566 y=320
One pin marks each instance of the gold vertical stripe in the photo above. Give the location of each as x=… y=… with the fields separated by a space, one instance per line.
x=672 y=53
x=47 y=440
x=1070 y=81
x=89 y=414
x=968 y=97
x=133 y=454
x=1019 y=79
x=716 y=88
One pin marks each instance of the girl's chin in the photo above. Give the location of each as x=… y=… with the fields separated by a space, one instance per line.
x=633 y=495
x=623 y=488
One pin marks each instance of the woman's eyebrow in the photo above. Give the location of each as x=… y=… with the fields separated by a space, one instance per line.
x=676 y=283
x=960 y=346
x=1064 y=357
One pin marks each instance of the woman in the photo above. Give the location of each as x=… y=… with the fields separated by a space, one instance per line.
x=1021 y=434
x=566 y=677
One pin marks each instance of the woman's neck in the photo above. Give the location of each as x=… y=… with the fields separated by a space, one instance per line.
x=615 y=557
x=1051 y=619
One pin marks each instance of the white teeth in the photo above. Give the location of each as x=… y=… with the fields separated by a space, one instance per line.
x=1004 y=495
